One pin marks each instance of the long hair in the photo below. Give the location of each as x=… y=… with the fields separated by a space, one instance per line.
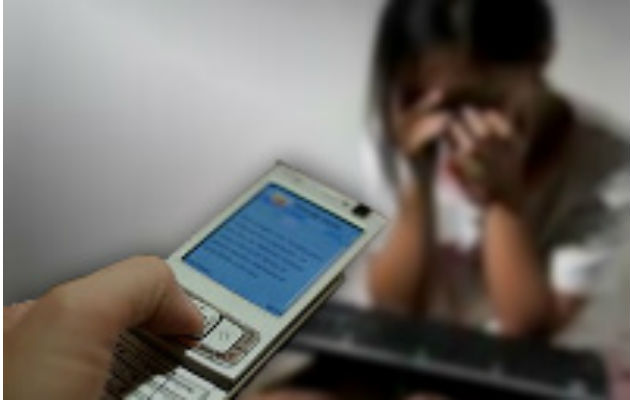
x=493 y=31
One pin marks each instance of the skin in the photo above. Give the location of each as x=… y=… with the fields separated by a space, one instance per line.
x=404 y=275
x=61 y=344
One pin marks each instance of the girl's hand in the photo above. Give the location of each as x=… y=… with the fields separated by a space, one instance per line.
x=419 y=125
x=487 y=156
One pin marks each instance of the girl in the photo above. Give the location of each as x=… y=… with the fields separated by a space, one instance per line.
x=505 y=198
x=503 y=210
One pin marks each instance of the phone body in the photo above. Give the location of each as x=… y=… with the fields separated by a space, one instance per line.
x=257 y=271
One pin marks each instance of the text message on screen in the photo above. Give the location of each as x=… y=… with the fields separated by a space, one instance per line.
x=273 y=248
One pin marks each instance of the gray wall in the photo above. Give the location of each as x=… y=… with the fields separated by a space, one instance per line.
x=129 y=123
x=593 y=55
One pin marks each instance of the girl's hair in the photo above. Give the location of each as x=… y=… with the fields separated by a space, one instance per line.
x=492 y=31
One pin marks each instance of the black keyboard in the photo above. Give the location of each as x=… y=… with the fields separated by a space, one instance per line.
x=437 y=350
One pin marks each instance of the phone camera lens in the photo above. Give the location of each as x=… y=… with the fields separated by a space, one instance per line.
x=361 y=210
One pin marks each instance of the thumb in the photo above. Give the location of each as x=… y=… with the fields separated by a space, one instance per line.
x=137 y=292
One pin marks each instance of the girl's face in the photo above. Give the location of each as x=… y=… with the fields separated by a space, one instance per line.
x=511 y=90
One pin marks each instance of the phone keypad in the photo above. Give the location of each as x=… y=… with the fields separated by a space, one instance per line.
x=141 y=372
x=210 y=315
x=223 y=337
x=225 y=340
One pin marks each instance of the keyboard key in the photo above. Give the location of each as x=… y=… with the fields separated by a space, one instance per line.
x=221 y=338
x=180 y=385
x=142 y=373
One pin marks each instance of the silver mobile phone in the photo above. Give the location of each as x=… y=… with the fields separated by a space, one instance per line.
x=256 y=272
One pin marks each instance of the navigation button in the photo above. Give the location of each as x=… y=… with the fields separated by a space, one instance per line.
x=210 y=315
x=221 y=338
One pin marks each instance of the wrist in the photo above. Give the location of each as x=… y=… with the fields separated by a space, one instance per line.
x=512 y=198
x=499 y=212
x=423 y=162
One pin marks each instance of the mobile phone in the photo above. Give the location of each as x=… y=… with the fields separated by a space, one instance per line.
x=256 y=272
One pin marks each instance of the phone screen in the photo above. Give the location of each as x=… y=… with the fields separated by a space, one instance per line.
x=273 y=248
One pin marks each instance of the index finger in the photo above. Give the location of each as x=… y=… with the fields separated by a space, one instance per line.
x=499 y=124
x=403 y=117
x=429 y=101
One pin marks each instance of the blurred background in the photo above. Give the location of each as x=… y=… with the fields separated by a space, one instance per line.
x=129 y=123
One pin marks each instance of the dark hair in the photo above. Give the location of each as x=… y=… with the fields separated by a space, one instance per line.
x=493 y=31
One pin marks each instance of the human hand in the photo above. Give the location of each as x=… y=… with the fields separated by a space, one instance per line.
x=60 y=346
x=487 y=156
x=418 y=126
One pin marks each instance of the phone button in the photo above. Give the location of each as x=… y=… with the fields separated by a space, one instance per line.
x=221 y=338
x=210 y=315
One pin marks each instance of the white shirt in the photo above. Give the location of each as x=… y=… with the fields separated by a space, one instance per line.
x=577 y=219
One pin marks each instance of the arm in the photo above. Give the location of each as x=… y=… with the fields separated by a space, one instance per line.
x=517 y=285
x=519 y=289
x=400 y=273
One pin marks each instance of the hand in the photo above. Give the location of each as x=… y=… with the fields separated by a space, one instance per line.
x=417 y=127
x=60 y=346
x=487 y=156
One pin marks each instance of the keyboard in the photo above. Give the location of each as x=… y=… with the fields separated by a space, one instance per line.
x=453 y=355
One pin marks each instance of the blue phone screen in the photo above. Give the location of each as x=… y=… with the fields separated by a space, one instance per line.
x=273 y=248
